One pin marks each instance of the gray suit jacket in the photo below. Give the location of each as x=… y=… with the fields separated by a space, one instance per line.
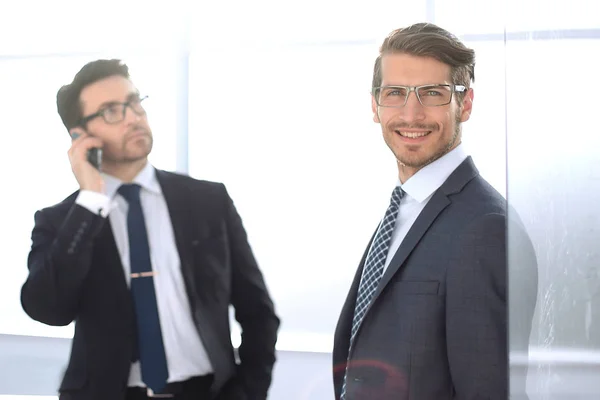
x=436 y=328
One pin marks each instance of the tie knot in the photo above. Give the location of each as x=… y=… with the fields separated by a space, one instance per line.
x=397 y=195
x=131 y=192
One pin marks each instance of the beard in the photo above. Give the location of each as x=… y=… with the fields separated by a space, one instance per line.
x=135 y=145
x=440 y=151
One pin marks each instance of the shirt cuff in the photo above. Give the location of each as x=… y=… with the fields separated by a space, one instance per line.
x=98 y=203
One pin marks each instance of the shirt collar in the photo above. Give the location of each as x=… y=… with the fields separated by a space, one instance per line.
x=428 y=179
x=146 y=178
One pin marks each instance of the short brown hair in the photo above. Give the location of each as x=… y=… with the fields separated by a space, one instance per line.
x=429 y=40
x=67 y=98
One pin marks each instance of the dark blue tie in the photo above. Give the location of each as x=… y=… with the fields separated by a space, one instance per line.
x=151 y=349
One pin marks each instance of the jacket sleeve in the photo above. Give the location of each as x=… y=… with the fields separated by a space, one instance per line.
x=476 y=311
x=478 y=307
x=254 y=310
x=58 y=263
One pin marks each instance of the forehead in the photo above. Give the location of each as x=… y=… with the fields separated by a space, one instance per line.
x=114 y=88
x=406 y=69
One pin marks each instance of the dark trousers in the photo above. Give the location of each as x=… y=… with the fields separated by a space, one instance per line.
x=197 y=388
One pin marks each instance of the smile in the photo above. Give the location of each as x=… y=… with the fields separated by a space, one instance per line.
x=413 y=135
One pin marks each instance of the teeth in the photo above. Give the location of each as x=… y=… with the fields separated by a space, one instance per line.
x=413 y=134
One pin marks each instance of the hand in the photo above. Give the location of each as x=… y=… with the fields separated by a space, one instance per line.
x=87 y=175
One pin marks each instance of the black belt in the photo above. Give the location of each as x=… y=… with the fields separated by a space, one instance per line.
x=197 y=386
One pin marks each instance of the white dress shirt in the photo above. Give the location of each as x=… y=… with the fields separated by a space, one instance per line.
x=186 y=355
x=418 y=190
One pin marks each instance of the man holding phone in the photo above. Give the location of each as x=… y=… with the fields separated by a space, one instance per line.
x=146 y=262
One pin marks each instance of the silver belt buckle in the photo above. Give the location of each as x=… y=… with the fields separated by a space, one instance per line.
x=151 y=394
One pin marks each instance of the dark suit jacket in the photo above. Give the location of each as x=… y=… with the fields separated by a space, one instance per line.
x=436 y=328
x=75 y=274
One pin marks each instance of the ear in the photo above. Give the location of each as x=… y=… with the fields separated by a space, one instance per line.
x=375 y=110
x=467 y=106
x=76 y=132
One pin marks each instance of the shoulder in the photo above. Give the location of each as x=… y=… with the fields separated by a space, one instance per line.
x=486 y=212
x=185 y=179
x=481 y=196
x=181 y=182
x=475 y=208
x=470 y=194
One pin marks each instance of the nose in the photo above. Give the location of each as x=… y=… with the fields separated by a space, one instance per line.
x=129 y=115
x=413 y=110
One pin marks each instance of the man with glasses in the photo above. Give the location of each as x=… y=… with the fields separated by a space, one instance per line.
x=146 y=262
x=426 y=315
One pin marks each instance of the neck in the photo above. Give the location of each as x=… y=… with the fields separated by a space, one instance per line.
x=125 y=172
x=405 y=172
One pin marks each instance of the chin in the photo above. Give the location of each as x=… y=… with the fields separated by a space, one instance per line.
x=132 y=156
x=412 y=158
x=413 y=163
x=140 y=149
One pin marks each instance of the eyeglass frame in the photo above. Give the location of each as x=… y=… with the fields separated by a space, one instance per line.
x=127 y=104
x=453 y=89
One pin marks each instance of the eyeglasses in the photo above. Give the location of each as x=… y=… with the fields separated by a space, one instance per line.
x=428 y=95
x=114 y=112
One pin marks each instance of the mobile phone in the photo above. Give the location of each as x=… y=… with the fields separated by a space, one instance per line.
x=94 y=155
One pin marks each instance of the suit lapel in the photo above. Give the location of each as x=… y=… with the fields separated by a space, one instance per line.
x=177 y=197
x=464 y=173
x=434 y=207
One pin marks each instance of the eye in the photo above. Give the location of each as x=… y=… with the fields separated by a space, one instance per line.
x=431 y=92
x=112 y=110
x=390 y=92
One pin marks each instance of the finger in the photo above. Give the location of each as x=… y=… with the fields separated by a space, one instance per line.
x=76 y=136
x=80 y=146
x=86 y=141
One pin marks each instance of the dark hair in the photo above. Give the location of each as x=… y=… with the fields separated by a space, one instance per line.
x=67 y=98
x=429 y=40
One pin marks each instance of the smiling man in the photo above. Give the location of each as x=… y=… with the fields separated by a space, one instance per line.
x=146 y=263
x=426 y=315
